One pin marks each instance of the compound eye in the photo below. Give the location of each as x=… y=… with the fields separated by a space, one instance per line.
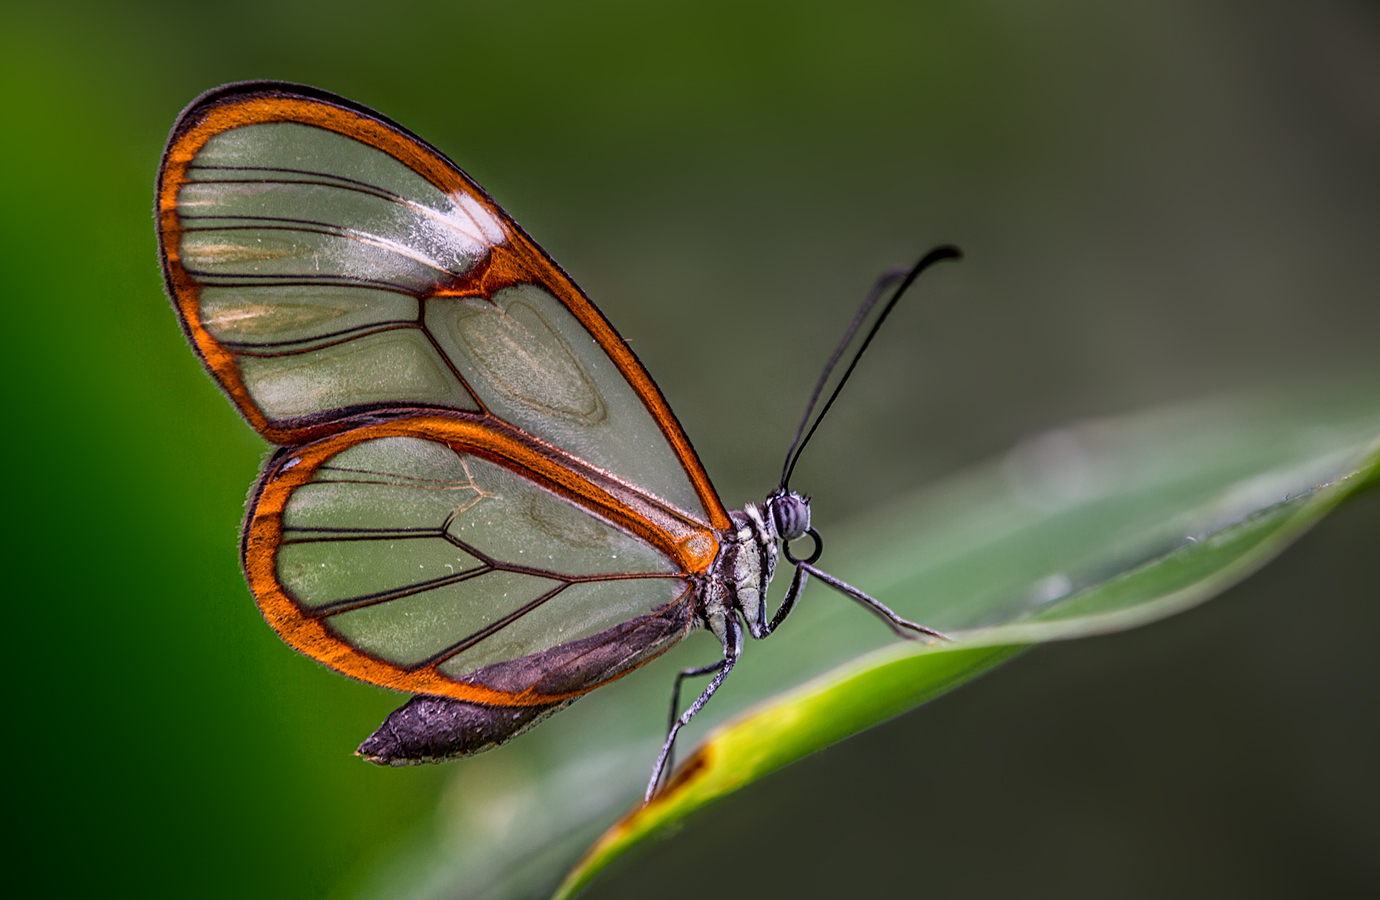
x=791 y=515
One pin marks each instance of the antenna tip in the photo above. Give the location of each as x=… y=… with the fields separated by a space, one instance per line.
x=943 y=251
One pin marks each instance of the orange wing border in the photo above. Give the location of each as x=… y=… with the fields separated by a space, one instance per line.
x=519 y=260
x=691 y=545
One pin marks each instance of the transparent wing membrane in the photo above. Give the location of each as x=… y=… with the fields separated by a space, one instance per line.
x=300 y=316
x=533 y=364
x=423 y=556
x=315 y=283
x=322 y=275
x=578 y=611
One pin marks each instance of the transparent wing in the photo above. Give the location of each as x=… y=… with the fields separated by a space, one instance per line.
x=327 y=264
x=436 y=556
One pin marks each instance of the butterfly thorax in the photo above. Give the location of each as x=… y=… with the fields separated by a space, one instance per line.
x=741 y=574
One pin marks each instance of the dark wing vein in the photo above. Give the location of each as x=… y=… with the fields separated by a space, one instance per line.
x=490 y=629
x=328 y=535
x=297 y=279
x=399 y=480
x=333 y=180
x=349 y=603
x=363 y=188
x=311 y=345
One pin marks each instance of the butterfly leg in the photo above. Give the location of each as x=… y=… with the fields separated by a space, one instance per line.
x=903 y=627
x=733 y=647
x=675 y=702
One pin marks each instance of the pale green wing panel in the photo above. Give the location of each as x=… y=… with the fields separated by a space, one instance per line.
x=374 y=369
x=533 y=364
x=515 y=521
x=307 y=154
x=417 y=554
x=283 y=198
x=395 y=486
x=415 y=629
x=580 y=610
x=326 y=573
x=299 y=313
x=311 y=250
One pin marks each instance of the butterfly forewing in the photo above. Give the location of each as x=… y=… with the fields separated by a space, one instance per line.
x=327 y=263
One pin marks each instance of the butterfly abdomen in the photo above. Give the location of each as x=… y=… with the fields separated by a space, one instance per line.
x=435 y=729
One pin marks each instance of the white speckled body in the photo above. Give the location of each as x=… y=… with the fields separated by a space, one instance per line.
x=739 y=578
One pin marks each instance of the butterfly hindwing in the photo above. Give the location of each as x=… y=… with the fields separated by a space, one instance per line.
x=434 y=555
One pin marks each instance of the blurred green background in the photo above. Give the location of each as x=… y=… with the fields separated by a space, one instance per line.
x=1158 y=201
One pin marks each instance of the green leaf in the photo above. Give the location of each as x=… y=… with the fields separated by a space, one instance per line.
x=1093 y=528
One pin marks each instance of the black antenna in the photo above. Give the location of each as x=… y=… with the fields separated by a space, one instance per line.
x=907 y=278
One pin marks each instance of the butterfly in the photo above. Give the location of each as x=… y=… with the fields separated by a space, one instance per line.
x=480 y=496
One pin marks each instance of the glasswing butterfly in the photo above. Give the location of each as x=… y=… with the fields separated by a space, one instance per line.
x=480 y=496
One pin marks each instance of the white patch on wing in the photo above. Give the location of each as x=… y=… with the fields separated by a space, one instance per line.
x=445 y=241
x=490 y=227
x=357 y=253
